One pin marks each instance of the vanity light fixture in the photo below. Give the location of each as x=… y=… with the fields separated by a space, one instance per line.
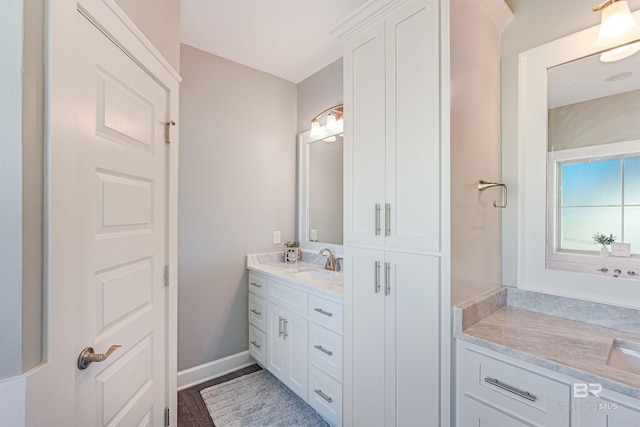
x=333 y=121
x=617 y=27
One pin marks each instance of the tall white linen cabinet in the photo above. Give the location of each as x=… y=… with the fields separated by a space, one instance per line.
x=398 y=158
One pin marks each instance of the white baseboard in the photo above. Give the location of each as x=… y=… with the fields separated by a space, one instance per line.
x=217 y=368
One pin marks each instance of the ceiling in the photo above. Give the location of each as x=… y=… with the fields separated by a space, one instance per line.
x=585 y=79
x=287 y=38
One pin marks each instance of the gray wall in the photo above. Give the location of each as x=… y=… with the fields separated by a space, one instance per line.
x=159 y=21
x=318 y=92
x=475 y=151
x=535 y=23
x=236 y=186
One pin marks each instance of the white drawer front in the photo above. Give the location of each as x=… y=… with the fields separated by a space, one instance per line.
x=547 y=402
x=258 y=345
x=325 y=350
x=289 y=298
x=476 y=414
x=325 y=396
x=258 y=312
x=257 y=285
x=326 y=313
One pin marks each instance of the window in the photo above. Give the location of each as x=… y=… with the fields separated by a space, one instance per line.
x=595 y=195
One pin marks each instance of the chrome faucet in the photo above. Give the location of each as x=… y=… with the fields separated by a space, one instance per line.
x=332 y=261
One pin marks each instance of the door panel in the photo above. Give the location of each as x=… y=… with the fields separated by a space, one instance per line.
x=364 y=337
x=119 y=204
x=413 y=307
x=364 y=142
x=413 y=126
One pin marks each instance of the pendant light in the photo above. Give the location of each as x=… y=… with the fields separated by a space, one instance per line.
x=617 y=27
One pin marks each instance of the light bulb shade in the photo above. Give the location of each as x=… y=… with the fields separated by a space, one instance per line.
x=315 y=129
x=332 y=124
x=619 y=53
x=618 y=25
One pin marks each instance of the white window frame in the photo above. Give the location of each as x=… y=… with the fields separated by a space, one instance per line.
x=584 y=262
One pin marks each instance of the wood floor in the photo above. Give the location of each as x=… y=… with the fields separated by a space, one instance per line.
x=192 y=411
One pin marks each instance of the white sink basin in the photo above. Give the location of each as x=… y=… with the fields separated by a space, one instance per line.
x=312 y=273
x=625 y=355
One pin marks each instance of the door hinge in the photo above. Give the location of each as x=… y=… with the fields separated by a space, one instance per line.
x=166 y=275
x=166 y=416
x=167 y=131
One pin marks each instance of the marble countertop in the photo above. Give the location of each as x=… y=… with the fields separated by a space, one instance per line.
x=571 y=347
x=319 y=281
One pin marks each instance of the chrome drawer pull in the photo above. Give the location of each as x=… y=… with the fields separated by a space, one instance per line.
x=377 y=219
x=387 y=278
x=280 y=327
x=510 y=389
x=322 y=395
x=255 y=344
x=285 y=322
x=321 y=311
x=377 y=273
x=324 y=350
x=255 y=312
x=257 y=285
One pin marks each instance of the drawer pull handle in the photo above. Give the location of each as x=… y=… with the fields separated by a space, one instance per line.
x=377 y=275
x=377 y=219
x=257 y=285
x=255 y=312
x=387 y=219
x=321 y=311
x=255 y=344
x=510 y=389
x=322 y=395
x=280 y=327
x=324 y=350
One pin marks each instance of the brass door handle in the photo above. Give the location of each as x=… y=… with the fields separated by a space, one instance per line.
x=87 y=356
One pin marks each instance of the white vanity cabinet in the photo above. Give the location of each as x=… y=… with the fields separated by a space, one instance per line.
x=489 y=383
x=296 y=334
x=287 y=341
x=495 y=389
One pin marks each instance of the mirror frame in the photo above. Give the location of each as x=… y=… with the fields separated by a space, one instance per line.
x=532 y=179
x=303 y=192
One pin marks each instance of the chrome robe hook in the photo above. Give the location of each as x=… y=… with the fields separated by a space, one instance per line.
x=483 y=185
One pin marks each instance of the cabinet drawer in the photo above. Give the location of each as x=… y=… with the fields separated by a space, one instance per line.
x=289 y=298
x=326 y=313
x=258 y=345
x=325 y=350
x=325 y=396
x=258 y=312
x=257 y=285
x=476 y=414
x=498 y=383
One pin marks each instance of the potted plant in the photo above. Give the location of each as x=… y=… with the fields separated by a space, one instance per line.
x=292 y=252
x=604 y=240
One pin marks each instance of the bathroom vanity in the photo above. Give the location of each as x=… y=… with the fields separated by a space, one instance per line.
x=295 y=328
x=531 y=359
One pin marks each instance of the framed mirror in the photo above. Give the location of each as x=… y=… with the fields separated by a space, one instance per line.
x=320 y=198
x=567 y=129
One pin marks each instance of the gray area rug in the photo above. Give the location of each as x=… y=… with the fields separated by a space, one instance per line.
x=258 y=399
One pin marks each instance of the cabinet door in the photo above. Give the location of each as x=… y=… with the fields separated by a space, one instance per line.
x=413 y=160
x=364 y=340
x=476 y=414
x=364 y=137
x=605 y=412
x=413 y=339
x=287 y=348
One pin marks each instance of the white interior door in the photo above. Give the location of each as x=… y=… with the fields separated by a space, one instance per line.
x=108 y=180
